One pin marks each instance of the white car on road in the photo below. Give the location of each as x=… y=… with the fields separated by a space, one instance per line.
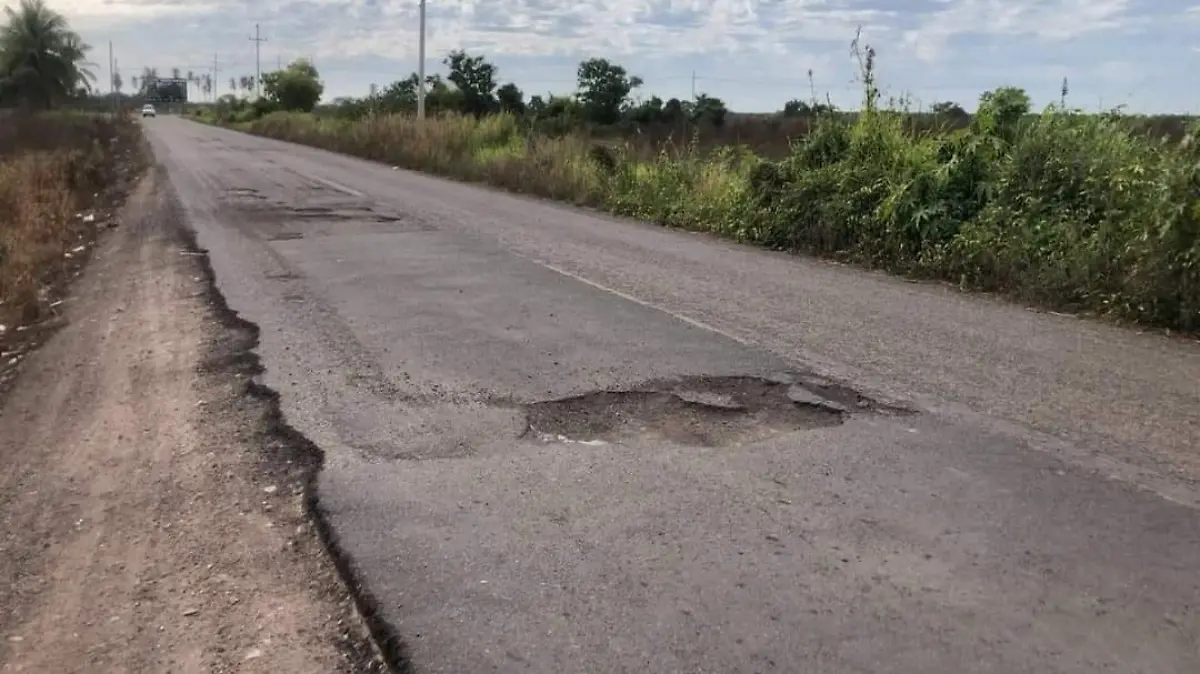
x=149 y=111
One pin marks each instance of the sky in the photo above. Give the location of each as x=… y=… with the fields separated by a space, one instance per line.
x=754 y=54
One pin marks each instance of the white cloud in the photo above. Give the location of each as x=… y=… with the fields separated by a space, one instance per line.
x=1045 y=19
x=614 y=27
x=100 y=14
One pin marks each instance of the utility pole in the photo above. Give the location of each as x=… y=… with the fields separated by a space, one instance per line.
x=112 y=78
x=257 y=40
x=116 y=74
x=216 y=78
x=693 y=85
x=421 y=68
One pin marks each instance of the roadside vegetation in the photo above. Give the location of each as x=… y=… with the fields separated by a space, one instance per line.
x=1096 y=213
x=54 y=164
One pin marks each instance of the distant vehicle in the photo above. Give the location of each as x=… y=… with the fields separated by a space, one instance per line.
x=149 y=111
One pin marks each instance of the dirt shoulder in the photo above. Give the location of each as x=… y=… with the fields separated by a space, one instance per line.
x=153 y=518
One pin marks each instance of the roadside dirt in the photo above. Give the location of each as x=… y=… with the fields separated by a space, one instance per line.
x=152 y=518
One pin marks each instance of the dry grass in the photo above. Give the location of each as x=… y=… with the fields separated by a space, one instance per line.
x=51 y=167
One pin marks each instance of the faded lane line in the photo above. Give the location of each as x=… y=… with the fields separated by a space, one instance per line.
x=649 y=305
x=877 y=394
x=337 y=186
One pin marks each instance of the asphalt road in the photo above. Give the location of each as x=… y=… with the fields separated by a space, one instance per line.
x=561 y=442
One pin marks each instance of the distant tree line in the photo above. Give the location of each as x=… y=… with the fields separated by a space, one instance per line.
x=604 y=96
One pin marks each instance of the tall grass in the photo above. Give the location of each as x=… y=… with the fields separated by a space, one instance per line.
x=51 y=165
x=1062 y=208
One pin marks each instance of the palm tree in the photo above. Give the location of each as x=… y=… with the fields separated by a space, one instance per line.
x=149 y=80
x=42 y=61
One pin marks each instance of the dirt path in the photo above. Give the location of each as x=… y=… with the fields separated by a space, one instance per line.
x=150 y=519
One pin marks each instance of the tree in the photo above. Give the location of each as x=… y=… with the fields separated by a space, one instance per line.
x=476 y=79
x=296 y=87
x=511 y=99
x=604 y=90
x=674 y=111
x=440 y=96
x=117 y=82
x=709 y=110
x=948 y=110
x=797 y=108
x=1000 y=111
x=42 y=61
x=647 y=112
x=149 y=80
x=348 y=107
x=399 y=96
x=555 y=114
x=175 y=73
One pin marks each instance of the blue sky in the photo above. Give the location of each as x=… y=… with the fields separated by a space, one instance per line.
x=755 y=54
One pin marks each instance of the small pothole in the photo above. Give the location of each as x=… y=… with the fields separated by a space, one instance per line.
x=698 y=411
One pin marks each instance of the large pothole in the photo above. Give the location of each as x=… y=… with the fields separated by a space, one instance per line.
x=698 y=411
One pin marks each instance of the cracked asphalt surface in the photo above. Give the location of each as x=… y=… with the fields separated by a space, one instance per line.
x=1034 y=511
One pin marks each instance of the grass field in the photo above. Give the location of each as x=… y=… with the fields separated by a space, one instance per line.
x=1095 y=213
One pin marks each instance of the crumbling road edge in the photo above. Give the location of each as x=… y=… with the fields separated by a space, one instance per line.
x=376 y=647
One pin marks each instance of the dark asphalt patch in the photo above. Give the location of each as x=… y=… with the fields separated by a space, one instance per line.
x=697 y=411
x=320 y=210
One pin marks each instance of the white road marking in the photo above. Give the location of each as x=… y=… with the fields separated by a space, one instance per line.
x=636 y=300
x=337 y=186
